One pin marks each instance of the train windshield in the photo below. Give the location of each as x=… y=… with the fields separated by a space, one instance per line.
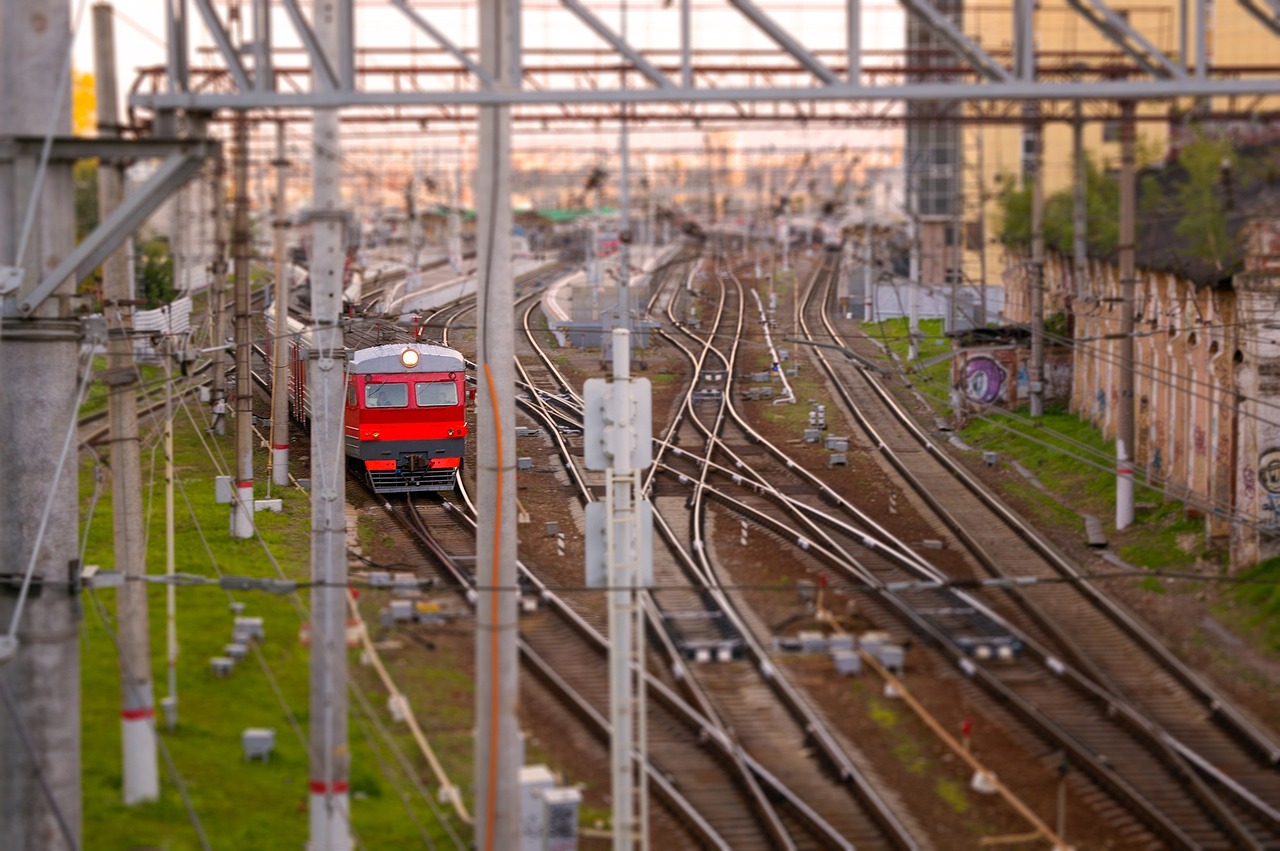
x=436 y=394
x=386 y=395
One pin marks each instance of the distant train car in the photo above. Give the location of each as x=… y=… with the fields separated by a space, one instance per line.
x=404 y=417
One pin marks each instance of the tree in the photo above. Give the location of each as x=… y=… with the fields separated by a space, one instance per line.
x=1102 y=225
x=84 y=104
x=155 y=273
x=1203 y=226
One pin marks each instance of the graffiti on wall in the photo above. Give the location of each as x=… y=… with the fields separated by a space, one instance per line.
x=1269 y=478
x=984 y=378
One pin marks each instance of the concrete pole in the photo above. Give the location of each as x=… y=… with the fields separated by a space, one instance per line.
x=280 y=345
x=242 y=504
x=217 y=291
x=868 y=248
x=624 y=226
x=982 y=227
x=1079 y=217
x=1035 y=173
x=1124 y=413
x=913 y=298
x=137 y=709
x=170 y=702
x=39 y=654
x=330 y=804
x=497 y=753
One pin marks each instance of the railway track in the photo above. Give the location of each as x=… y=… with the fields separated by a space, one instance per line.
x=827 y=800
x=1190 y=767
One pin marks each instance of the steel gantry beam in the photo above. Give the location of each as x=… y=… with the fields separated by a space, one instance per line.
x=1135 y=69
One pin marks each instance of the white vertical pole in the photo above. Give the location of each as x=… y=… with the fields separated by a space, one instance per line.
x=497 y=751
x=329 y=810
x=621 y=550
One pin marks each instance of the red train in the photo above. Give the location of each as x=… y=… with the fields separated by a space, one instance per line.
x=404 y=421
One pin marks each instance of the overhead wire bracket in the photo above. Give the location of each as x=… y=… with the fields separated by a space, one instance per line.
x=618 y=43
x=1266 y=11
x=1132 y=42
x=969 y=50
x=784 y=40
x=223 y=41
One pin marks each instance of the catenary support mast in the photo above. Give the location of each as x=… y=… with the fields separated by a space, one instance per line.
x=40 y=800
x=497 y=750
x=137 y=711
x=1124 y=412
x=242 y=504
x=330 y=809
x=280 y=345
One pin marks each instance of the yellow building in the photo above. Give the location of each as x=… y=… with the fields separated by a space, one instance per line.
x=1064 y=37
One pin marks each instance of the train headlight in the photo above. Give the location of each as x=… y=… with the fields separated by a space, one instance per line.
x=409 y=358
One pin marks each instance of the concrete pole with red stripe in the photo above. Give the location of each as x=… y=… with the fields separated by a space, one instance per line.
x=329 y=802
x=140 y=774
x=242 y=502
x=280 y=345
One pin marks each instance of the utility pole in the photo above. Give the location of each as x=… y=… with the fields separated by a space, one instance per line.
x=137 y=711
x=280 y=345
x=1035 y=173
x=1079 y=216
x=242 y=504
x=982 y=227
x=913 y=298
x=868 y=281
x=330 y=803
x=617 y=431
x=170 y=701
x=624 y=202
x=497 y=752
x=40 y=803
x=1124 y=413
x=217 y=292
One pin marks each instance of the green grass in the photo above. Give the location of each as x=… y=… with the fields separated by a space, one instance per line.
x=954 y=794
x=1261 y=601
x=95 y=400
x=1050 y=447
x=241 y=805
x=935 y=380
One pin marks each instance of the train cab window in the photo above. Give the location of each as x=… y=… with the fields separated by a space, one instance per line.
x=351 y=396
x=386 y=395
x=436 y=394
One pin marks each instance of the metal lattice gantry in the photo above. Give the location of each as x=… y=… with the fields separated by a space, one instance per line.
x=384 y=72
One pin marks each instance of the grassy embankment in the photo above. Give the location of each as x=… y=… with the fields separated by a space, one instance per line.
x=239 y=804
x=1072 y=461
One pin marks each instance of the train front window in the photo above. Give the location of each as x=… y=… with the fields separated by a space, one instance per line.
x=436 y=394
x=386 y=395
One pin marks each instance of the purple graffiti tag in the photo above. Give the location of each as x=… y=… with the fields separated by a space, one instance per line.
x=983 y=379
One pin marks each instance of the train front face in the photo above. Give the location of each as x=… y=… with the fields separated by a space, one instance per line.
x=405 y=416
